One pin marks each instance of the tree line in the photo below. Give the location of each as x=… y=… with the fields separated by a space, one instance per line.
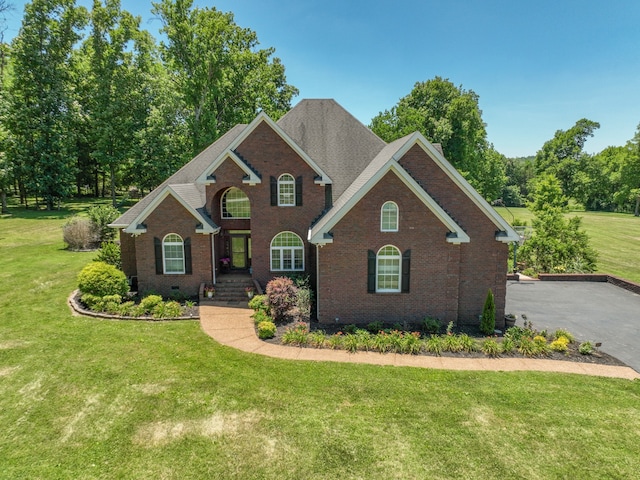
x=91 y=103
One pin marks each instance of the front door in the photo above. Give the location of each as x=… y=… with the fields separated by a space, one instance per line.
x=240 y=251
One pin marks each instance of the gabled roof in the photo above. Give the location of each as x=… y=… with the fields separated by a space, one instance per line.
x=322 y=177
x=333 y=138
x=506 y=233
x=383 y=163
x=187 y=174
x=188 y=196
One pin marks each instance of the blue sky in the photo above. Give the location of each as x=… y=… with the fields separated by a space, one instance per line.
x=537 y=66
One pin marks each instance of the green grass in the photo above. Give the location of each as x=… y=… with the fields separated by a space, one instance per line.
x=615 y=236
x=84 y=398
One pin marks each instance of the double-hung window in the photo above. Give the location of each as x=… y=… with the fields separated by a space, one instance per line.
x=286 y=190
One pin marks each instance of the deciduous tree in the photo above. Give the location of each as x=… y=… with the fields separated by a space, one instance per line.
x=451 y=116
x=218 y=71
x=41 y=103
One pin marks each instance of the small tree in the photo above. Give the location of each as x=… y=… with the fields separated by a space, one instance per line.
x=488 y=320
x=558 y=245
x=110 y=253
x=281 y=294
x=101 y=216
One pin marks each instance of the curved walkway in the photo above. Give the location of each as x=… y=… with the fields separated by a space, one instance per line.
x=234 y=327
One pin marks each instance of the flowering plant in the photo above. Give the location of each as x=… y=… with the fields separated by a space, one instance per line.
x=225 y=260
x=250 y=289
x=209 y=288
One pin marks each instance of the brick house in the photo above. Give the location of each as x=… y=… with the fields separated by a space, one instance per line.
x=386 y=232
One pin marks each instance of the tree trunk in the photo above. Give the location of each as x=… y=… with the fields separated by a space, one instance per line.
x=113 y=186
x=637 y=211
x=3 y=201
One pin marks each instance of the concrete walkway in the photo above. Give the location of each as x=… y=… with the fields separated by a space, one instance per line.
x=234 y=327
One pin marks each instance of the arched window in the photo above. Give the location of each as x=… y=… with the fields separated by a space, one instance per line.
x=173 y=254
x=235 y=204
x=389 y=217
x=287 y=252
x=388 y=269
x=286 y=190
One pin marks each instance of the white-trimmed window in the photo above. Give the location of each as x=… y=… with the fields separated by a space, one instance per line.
x=287 y=252
x=286 y=190
x=235 y=204
x=388 y=269
x=389 y=217
x=173 y=254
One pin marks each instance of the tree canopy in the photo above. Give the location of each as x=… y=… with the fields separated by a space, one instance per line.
x=448 y=115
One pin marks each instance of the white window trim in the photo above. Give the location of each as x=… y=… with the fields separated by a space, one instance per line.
x=164 y=257
x=222 y=201
x=399 y=257
x=280 y=251
x=382 y=229
x=291 y=182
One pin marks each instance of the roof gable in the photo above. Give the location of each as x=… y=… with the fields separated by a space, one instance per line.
x=379 y=167
x=322 y=177
x=506 y=232
x=188 y=196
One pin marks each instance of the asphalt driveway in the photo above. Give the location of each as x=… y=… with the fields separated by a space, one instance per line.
x=599 y=312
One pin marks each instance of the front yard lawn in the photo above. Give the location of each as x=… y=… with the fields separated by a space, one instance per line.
x=88 y=398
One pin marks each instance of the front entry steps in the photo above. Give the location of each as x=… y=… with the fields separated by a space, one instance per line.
x=231 y=290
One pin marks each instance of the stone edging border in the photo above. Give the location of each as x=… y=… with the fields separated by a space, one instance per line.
x=75 y=305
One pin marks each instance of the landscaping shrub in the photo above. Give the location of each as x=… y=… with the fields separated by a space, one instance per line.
x=78 y=233
x=99 y=278
x=170 y=309
x=351 y=328
x=281 y=294
x=259 y=303
x=149 y=303
x=101 y=216
x=303 y=302
x=560 y=344
x=266 y=329
x=317 y=338
x=586 y=348
x=261 y=316
x=491 y=347
x=508 y=345
x=109 y=253
x=434 y=344
x=564 y=333
x=488 y=320
x=296 y=335
x=350 y=342
x=375 y=327
x=431 y=325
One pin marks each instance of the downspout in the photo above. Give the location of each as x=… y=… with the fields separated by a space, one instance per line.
x=213 y=258
x=318 y=282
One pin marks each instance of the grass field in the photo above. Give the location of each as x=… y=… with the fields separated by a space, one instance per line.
x=85 y=399
x=615 y=236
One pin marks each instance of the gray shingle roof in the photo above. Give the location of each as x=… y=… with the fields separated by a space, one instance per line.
x=195 y=194
x=333 y=138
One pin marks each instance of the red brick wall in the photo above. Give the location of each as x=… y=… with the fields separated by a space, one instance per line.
x=434 y=262
x=171 y=217
x=128 y=254
x=483 y=261
x=271 y=156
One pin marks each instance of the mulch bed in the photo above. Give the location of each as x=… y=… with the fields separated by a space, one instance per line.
x=572 y=354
